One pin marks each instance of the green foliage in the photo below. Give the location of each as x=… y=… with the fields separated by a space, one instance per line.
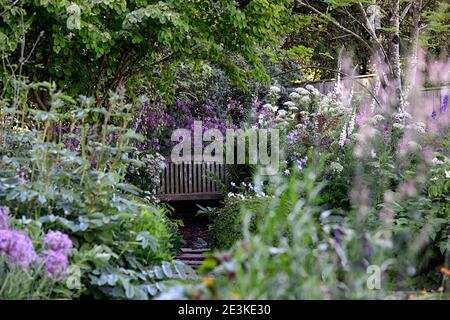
x=91 y=47
x=208 y=212
x=64 y=172
x=227 y=226
x=239 y=173
x=301 y=250
x=16 y=283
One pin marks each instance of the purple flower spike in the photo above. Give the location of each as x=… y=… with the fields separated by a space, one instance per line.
x=444 y=105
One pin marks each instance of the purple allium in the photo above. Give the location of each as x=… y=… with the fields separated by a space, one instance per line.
x=3 y=218
x=17 y=247
x=58 y=241
x=56 y=263
x=444 y=105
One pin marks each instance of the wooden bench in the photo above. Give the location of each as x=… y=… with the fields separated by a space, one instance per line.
x=191 y=181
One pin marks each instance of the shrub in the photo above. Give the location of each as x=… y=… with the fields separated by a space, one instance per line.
x=227 y=226
x=62 y=170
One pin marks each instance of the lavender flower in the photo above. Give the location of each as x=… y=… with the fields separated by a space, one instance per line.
x=58 y=241
x=17 y=247
x=56 y=263
x=3 y=218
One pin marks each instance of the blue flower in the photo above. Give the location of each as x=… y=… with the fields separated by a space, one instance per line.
x=444 y=105
x=434 y=115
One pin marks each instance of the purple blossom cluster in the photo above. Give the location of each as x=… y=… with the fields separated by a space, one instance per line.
x=18 y=249
x=56 y=263
x=59 y=247
x=442 y=109
x=301 y=163
x=58 y=241
x=293 y=137
x=156 y=121
x=264 y=118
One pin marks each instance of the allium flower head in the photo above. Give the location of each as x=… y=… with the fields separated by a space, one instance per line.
x=56 y=264
x=58 y=241
x=17 y=247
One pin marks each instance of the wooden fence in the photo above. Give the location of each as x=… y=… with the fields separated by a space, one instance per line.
x=191 y=181
x=433 y=96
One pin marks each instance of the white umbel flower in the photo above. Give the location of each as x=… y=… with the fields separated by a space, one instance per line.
x=305 y=100
x=275 y=89
x=302 y=91
x=294 y=95
x=289 y=104
x=282 y=113
x=336 y=167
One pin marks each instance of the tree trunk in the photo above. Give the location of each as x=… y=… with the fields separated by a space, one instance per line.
x=415 y=33
x=394 y=47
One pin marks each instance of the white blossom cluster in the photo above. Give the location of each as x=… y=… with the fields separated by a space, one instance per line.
x=247 y=191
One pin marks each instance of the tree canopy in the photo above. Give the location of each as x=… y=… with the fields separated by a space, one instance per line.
x=97 y=45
